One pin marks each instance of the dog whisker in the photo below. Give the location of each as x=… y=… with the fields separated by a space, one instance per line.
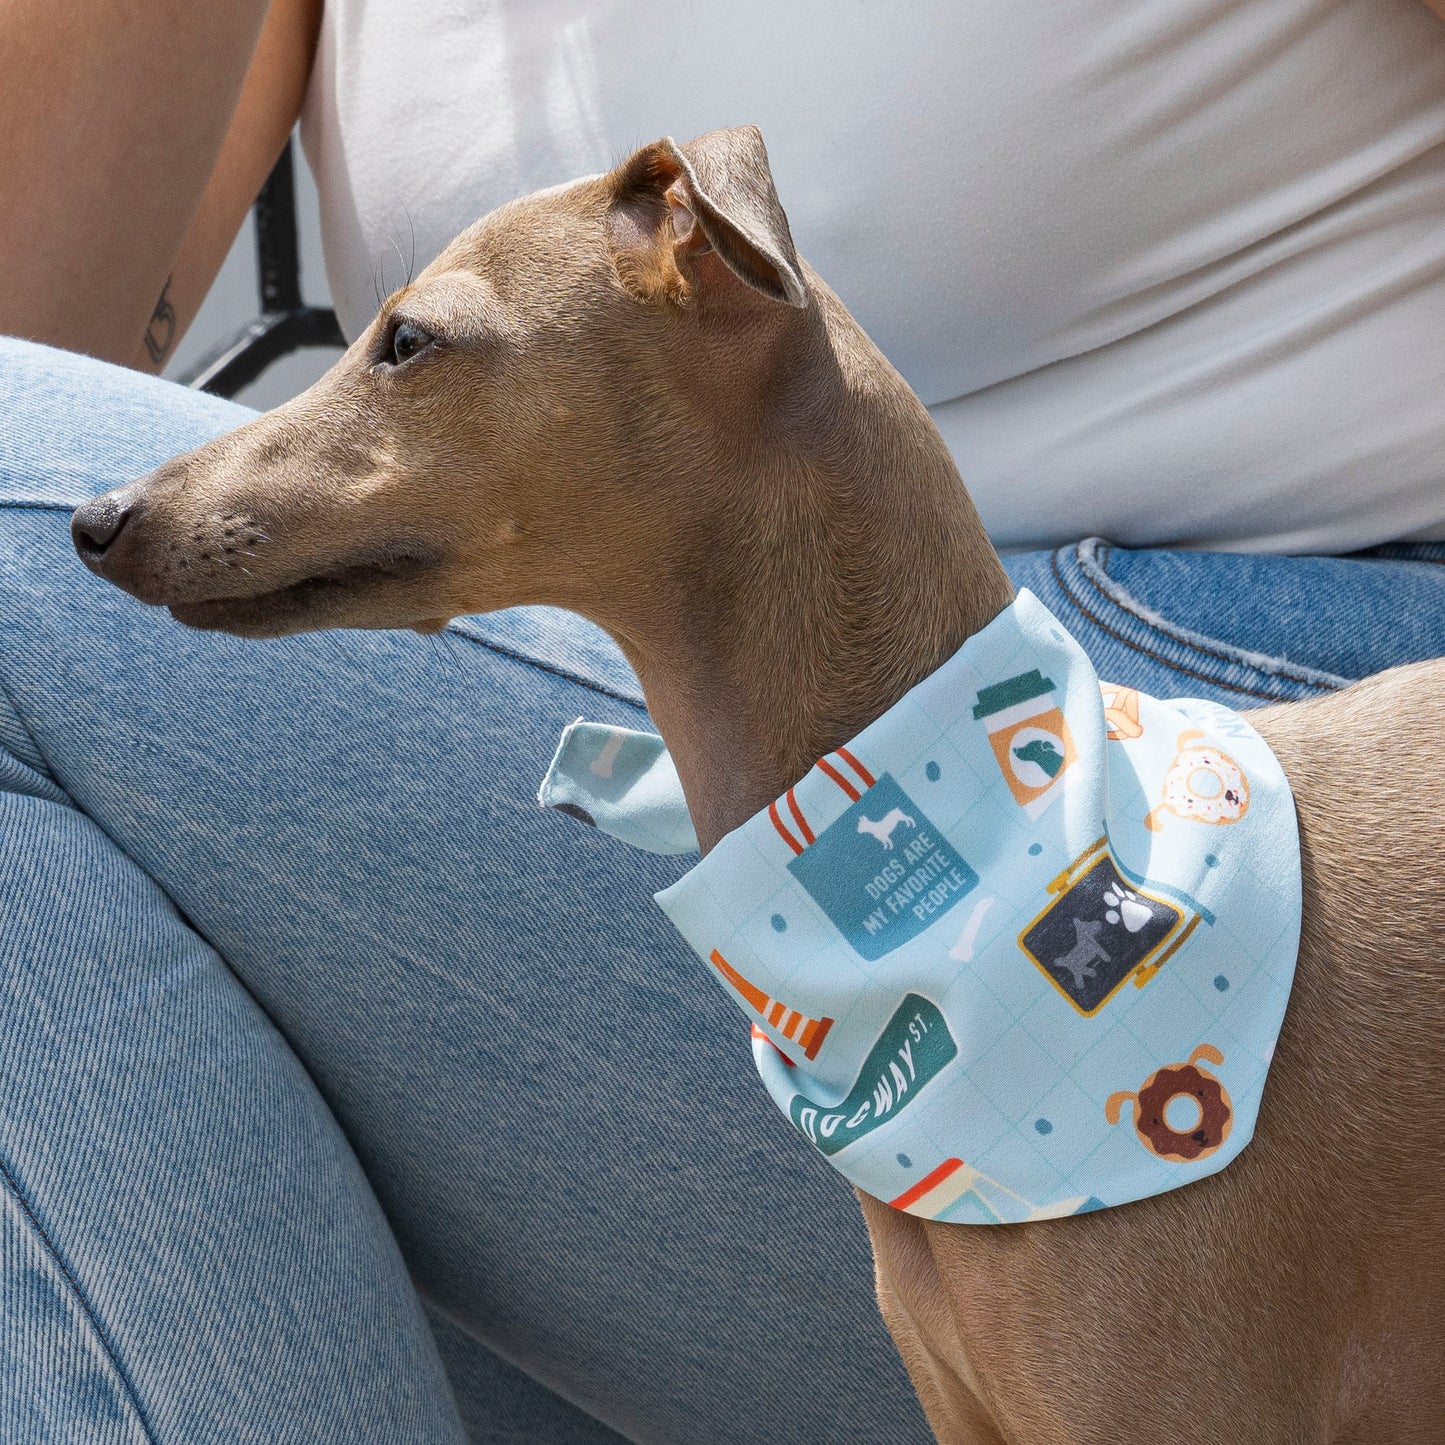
x=411 y=263
x=395 y=247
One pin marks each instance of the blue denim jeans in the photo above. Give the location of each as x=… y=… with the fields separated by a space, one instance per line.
x=347 y=1097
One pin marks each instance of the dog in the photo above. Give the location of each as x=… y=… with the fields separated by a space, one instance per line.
x=630 y=397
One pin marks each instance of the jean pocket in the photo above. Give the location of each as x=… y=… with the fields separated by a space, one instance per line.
x=1148 y=645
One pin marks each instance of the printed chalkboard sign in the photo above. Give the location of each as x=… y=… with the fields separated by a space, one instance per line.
x=1099 y=929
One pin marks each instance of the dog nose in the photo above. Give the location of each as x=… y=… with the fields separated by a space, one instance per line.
x=94 y=526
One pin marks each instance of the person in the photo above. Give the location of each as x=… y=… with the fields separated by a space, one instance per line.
x=288 y=950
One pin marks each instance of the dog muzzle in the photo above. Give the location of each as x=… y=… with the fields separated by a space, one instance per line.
x=1020 y=950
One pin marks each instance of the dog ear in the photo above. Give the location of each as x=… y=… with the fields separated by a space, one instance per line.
x=713 y=195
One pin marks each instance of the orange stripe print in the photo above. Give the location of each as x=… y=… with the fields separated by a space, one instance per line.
x=811 y=1039
x=838 y=778
x=783 y=833
x=749 y=991
x=868 y=778
x=929 y=1181
x=800 y=820
x=807 y=1033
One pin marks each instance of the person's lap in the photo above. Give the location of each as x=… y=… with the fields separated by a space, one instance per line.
x=551 y=1100
x=552 y=1103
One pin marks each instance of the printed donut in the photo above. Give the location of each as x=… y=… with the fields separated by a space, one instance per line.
x=1225 y=798
x=1171 y=1082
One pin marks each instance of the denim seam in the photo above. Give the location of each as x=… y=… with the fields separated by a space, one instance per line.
x=8 y=698
x=433 y=1304
x=562 y=672
x=87 y=1309
x=1091 y=559
x=28 y=504
x=1405 y=552
x=1116 y=596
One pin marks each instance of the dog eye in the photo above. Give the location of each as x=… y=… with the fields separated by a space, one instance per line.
x=406 y=341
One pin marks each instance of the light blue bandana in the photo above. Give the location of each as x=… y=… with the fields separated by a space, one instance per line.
x=1020 y=950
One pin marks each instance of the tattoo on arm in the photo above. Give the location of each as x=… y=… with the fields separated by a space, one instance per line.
x=161 y=329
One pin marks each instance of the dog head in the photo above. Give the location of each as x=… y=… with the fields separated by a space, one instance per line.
x=535 y=418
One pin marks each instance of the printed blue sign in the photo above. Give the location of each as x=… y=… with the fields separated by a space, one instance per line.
x=912 y=1049
x=882 y=872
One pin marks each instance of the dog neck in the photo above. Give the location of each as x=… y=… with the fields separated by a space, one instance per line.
x=833 y=570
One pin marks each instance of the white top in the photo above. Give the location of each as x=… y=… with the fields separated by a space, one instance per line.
x=1169 y=273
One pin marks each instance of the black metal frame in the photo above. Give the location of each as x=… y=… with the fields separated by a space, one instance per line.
x=286 y=323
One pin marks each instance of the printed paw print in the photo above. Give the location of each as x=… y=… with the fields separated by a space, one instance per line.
x=1124 y=907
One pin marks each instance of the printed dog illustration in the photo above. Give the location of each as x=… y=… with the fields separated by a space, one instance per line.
x=883 y=829
x=1042 y=754
x=1079 y=961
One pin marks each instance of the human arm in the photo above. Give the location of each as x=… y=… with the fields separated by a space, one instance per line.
x=269 y=105
x=115 y=119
